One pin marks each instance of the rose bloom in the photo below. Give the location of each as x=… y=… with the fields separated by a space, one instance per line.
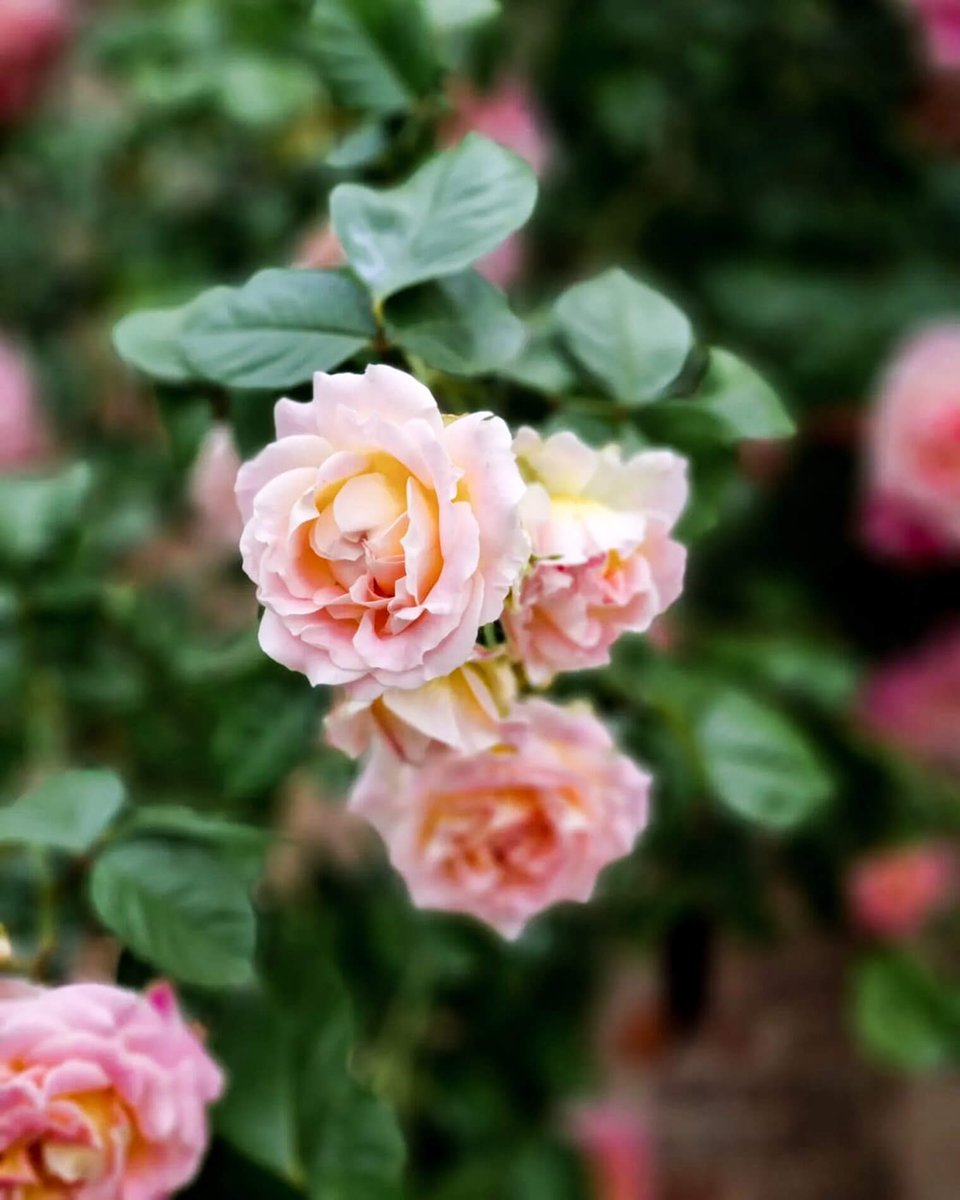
x=893 y=893
x=103 y=1093
x=24 y=438
x=504 y=834
x=914 y=435
x=380 y=535
x=212 y=488
x=32 y=33
x=940 y=24
x=603 y=558
x=617 y=1146
x=463 y=710
x=914 y=703
x=320 y=250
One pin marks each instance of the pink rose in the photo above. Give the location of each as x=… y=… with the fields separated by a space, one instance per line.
x=32 y=33
x=212 y=488
x=24 y=438
x=940 y=24
x=463 y=710
x=914 y=436
x=103 y=1093
x=509 y=116
x=895 y=892
x=380 y=536
x=914 y=703
x=893 y=530
x=506 y=833
x=603 y=558
x=618 y=1148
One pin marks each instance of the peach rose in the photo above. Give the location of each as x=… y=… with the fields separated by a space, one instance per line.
x=895 y=892
x=381 y=536
x=504 y=834
x=603 y=558
x=914 y=702
x=24 y=438
x=914 y=435
x=32 y=33
x=103 y=1093
x=212 y=487
x=463 y=710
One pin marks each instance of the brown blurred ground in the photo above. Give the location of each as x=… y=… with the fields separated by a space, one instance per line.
x=771 y=1102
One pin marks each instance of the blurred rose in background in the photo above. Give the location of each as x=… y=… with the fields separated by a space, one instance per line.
x=24 y=436
x=894 y=893
x=32 y=33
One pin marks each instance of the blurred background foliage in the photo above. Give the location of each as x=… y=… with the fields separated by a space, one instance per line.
x=788 y=172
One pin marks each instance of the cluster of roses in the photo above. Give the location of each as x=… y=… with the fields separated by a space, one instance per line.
x=432 y=568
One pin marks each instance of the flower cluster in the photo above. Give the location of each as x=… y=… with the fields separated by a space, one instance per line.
x=103 y=1093
x=433 y=567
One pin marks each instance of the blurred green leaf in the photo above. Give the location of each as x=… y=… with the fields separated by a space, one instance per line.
x=37 y=510
x=265 y=92
x=456 y=208
x=69 y=811
x=278 y=328
x=905 y=1016
x=630 y=338
x=461 y=324
x=257 y=740
x=448 y=16
x=255 y=1042
x=758 y=764
x=376 y=55
x=243 y=846
x=360 y=147
x=178 y=907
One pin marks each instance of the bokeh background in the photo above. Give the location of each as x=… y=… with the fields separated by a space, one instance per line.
x=748 y=1009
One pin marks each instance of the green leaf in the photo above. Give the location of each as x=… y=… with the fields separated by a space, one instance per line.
x=758 y=764
x=180 y=908
x=906 y=1017
x=277 y=329
x=462 y=324
x=375 y=55
x=69 y=811
x=352 y=1145
x=458 y=207
x=242 y=845
x=542 y=364
x=737 y=402
x=630 y=338
x=149 y=339
x=37 y=511
x=259 y=739
x=258 y=1115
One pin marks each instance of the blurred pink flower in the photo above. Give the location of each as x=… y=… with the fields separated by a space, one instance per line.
x=617 y=1146
x=212 y=488
x=506 y=833
x=914 y=702
x=104 y=1093
x=894 y=530
x=507 y=115
x=913 y=467
x=893 y=893
x=24 y=437
x=32 y=33
x=320 y=249
x=940 y=25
